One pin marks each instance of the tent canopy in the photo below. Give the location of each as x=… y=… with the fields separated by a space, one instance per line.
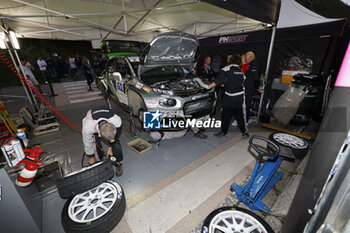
x=292 y=14
x=138 y=20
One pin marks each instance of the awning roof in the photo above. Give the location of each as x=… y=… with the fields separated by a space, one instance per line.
x=134 y=19
x=292 y=14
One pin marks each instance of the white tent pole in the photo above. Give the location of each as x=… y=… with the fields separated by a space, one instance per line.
x=58 y=16
x=124 y=17
x=15 y=64
x=71 y=17
x=268 y=64
x=30 y=91
x=48 y=27
x=24 y=87
x=56 y=30
x=125 y=24
x=166 y=6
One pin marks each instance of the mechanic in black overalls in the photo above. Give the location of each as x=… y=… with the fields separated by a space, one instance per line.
x=206 y=72
x=232 y=78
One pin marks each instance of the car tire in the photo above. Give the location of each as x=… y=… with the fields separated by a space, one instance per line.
x=297 y=145
x=84 y=179
x=104 y=223
x=228 y=213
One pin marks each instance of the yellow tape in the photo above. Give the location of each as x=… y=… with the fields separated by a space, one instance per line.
x=286 y=131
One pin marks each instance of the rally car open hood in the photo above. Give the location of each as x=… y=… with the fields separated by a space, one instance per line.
x=170 y=49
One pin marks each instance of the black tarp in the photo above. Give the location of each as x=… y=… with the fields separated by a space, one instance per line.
x=266 y=11
x=318 y=42
x=333 y=131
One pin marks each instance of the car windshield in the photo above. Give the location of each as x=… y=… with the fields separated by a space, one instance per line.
x=164 y=73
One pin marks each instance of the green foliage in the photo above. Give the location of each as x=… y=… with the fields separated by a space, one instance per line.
x=328 y=8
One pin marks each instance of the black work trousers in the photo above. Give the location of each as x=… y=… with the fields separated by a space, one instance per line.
x=116 y=148
x=89 y=78
x=248 y=102
x=233 y=106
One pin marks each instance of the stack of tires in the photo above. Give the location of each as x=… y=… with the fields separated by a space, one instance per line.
x=95 y=203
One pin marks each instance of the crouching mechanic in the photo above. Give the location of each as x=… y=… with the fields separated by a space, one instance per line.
x=101 y=124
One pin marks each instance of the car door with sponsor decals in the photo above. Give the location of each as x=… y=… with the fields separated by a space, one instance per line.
x=120 y=74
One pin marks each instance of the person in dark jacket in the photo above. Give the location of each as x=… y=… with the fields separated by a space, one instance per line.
x=221 y=90
x=87 y=72
x=252 y=80
x=78 y=63
x=51 y=67
x=232 y=78
x=61 y=67
x=206 y=72
x=95 y=64
x=103 y=63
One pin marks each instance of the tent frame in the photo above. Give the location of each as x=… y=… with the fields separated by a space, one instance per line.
x=267 y=70
x=127 y=31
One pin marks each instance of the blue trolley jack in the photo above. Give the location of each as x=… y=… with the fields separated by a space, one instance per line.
x=263 y=178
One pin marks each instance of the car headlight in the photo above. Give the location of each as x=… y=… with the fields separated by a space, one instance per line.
x=167 y=102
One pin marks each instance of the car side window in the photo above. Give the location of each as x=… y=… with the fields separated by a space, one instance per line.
x=123 y=68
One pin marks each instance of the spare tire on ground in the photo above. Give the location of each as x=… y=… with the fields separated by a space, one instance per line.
x=297 y=145
x=84 y=179
x=229 y=219
x=97 y=210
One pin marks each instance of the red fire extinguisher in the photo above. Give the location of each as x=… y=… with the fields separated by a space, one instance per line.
x=26 y=176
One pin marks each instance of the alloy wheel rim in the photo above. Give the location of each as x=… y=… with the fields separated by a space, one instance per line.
x=290 y=140
x=94 y=203
x=233 y=221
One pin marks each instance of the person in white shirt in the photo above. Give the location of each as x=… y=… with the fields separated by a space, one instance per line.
x=27 y=68
x=101 y=124
x=42 y=64
x=43 y=68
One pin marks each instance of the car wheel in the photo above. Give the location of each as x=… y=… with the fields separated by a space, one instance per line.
x=234 y=219
x=97 y=210
x=299 y=146
x=84 y=179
